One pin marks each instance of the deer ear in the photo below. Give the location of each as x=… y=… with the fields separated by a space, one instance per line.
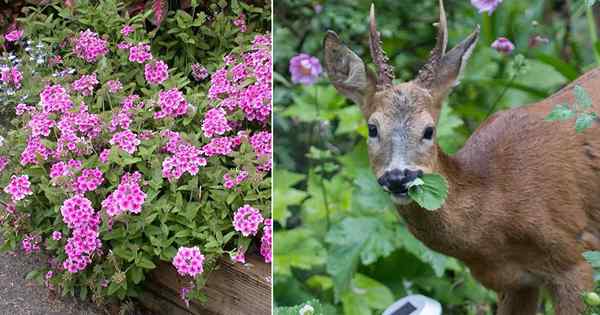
x=347 y=71
x=440 y=77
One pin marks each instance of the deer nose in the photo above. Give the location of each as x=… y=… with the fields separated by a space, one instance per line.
x=396 y=179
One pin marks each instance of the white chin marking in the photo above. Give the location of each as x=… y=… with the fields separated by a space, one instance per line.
x=401 y=200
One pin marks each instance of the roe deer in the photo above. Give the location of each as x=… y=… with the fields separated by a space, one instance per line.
x=524 y=193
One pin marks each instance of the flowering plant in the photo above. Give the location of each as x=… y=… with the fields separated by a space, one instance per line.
x=117 y=159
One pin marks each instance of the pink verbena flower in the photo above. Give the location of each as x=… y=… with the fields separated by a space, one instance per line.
x=104 y=156
x=85 y=84
x=54 y=98
x=199 y=72
x=40 y=124
x=77 y=212
x=19 y=187
x=172 y=104
x=218 y=146
x=35 y=149
x=241 y=22
x=22 y=108
x=13 y=35
x=503 y=45
x=156 y=72
x=31 y=243
x=127 y=30
x=124 y=45
x=3 y=162
x=89 y=46
x=230 y=182
x=185 y=157
x=127 y=197
x=240 y=255
x=188 y=261
x=89 y=180
x=246 y=220
x=262 y=144
x=215 y=123
x=305 y=69
x=266 y=241
x=114 y=86
x=11 y=76
x=140 y=53
x=56 y=235
x=126 y=141
x=486 y=5
x=261 y=41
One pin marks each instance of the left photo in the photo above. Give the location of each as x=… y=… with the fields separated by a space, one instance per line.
x=135 y=157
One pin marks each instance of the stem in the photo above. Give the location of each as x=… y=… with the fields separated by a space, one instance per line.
x=321 y=164
x=506 y=87
x=593 y=32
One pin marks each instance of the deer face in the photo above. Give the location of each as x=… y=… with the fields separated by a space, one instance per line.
x=401 y=118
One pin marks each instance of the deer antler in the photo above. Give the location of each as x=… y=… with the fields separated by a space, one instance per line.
x=428 y=70
x=385 y=72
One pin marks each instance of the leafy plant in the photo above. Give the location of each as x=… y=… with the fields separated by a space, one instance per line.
x=429 y=191
x=580 y=110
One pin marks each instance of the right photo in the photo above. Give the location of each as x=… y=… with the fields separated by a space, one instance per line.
x=436 y=157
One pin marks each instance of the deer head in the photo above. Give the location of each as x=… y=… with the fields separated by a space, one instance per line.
x=401 y=118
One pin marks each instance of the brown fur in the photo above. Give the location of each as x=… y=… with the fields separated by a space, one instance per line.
x=524 y=193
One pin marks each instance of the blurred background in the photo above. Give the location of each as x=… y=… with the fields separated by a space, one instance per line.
x=340 y=245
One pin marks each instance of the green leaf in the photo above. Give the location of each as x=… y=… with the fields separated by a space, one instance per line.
x=283 y=181
x=560 y=112
x=297 y=248
x=136 y=275
x=584 y=121
x=432 y=194
x=366 y=292
x=312 y=307
x=145 y=263
x=583 y=99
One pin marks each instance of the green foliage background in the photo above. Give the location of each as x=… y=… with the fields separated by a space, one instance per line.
x=339 y=242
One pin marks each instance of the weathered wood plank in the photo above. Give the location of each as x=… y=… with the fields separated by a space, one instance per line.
x=233 y=289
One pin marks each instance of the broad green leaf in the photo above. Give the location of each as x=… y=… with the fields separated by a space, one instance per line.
x=432 y=194
x=584 y=121
x=583 y=99
x=366 y=292
x=146 y=263
x=560 y=112
x=312 y=307
x=297 y=248
x=283 y=181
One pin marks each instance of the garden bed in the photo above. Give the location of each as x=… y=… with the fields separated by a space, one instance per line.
x=232 y=289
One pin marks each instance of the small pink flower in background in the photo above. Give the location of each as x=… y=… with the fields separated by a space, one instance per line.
x=503 y=45
x=89 y=46
x=12 y=76
x=188 y=261
x=241 y=22
x=3 y=162
x=22 y=108
x=240 y=255
x=172 y=104
x=124 y=45
x=104 y=156
x=47 y=278
x=486 y=5
x=266 y=241
x=232 y=182
x=183 y=292
x=199 y=72
x=19 y=187
x=56 y=235
x=126 y=30
x=55 y=60
x=126 y=141
x=85 y=85
x=305 y=69
x=538 y=40
x=114 y=86
x=246 y=220
x=13 y=35
x=31 y=243
x=140 y=53
x=156 y=72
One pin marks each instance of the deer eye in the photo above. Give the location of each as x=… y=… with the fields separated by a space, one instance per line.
x=428 y=133
x=372 y=131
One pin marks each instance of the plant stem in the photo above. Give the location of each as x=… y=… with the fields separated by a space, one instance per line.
x=593 y=32
x=506 y=87
x=321 y=164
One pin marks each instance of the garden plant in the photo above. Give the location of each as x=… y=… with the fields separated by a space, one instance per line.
x=363 y=257
x=135 y=138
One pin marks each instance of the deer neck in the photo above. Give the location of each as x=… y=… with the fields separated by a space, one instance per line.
x=446 y=230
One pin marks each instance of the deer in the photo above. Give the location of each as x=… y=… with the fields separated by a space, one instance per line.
x=524 y=193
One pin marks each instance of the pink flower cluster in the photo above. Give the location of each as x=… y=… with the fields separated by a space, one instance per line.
x=80 y=216
x=232 y=182
x=172 y=104
x=89 y=180
x=56 y=235
x=241 y=23
x=85 y=85
x=64 y=170
x=246 y=220
x=156 y=72
x=199 y=72
x=31 y=243
x=219 y=146
x=22 y=108
x=114 y=86
x=126 y=141
x=40 y=124
x=185 y=157
x=127 y=30
x=35 y=149
x=13 y=35
x=76 y=131
x=54 y=98
x=140 y=53
x=90 y=47
x=215 y=123
x=3 y=162
x=19 y=187
x=266 y=241
x=127 y=197
x=11 y=76
x=262 y=144
x=189 y=261
x=123 y=117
